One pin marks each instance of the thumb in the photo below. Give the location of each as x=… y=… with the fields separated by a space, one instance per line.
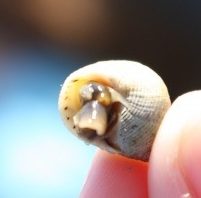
x=175 y=163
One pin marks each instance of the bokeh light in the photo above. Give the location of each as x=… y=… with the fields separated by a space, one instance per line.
x=38 y=156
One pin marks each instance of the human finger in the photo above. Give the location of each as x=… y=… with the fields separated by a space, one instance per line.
x=175 y=161
x=112 y=175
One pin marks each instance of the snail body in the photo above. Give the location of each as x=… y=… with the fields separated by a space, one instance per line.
x=116 y=105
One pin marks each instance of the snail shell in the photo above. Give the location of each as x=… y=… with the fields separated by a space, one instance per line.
x=116 y=105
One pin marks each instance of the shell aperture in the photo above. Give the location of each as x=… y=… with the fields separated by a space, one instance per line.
x=96 y=112
x=115 y=105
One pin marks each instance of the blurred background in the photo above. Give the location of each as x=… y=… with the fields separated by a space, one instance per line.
x=42 y=41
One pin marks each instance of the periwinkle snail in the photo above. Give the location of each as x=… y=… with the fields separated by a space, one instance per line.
x=115 y=105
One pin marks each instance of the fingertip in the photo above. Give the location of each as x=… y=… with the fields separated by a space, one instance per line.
x=115 y=176
x=174 y=164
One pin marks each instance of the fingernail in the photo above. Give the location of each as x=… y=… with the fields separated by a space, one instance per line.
x=174 y=164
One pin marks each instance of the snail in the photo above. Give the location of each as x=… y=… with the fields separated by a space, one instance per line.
x=115 y=105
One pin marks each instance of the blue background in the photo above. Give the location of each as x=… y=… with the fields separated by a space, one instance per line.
x=38 y=156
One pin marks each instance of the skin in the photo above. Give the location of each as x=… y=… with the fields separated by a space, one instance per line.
x=173 y=169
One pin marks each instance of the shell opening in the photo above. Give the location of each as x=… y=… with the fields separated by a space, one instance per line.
x=99 y=110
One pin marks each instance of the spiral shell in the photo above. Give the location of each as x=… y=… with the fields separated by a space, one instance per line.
x=116 y=105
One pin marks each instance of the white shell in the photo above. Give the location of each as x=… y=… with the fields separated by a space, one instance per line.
x=137 y=125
